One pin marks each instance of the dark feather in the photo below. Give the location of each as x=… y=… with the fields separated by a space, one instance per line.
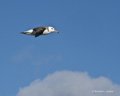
x=38 y=31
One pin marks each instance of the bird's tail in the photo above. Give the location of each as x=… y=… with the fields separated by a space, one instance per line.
x=27 y=33
x=23 y=32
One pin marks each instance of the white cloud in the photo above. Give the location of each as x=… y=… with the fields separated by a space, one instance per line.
x=68 y=83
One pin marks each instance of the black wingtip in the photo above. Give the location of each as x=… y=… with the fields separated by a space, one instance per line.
x=35 y=36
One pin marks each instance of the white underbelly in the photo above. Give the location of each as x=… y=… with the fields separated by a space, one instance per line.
x=45 y=32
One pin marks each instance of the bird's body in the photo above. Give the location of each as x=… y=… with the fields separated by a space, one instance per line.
x=44 y=30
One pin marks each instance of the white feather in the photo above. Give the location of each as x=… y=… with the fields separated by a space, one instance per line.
x=31 y=30
x=46 y=32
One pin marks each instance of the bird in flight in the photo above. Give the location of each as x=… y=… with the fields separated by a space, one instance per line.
x=43 y=30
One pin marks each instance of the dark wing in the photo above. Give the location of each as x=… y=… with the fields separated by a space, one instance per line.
x=38 y=31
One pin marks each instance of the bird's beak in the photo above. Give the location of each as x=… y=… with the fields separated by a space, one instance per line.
x=56 y=31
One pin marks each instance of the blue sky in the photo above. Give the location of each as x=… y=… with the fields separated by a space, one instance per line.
x=89 y=40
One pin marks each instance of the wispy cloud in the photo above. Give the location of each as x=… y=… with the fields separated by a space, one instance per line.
x=28 y=54
x=68 y=83
x=47 y=59
x=24 y=54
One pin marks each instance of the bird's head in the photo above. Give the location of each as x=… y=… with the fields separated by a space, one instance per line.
x=51 y=29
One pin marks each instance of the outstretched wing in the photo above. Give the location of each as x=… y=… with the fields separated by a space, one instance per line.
x=38 y=31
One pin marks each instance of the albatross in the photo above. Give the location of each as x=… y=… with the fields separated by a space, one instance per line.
x=43 y=30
